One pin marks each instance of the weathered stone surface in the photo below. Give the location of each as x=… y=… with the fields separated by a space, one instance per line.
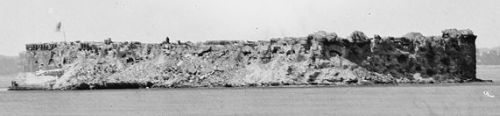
x=319 y=59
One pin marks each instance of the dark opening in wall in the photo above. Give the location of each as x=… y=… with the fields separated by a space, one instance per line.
x=430 y=72
x=445 y=61
x=51 y=61
x=275 y=49
x=313 y=77
x=290 y=70
x=290 y=52
x=334 y=53
x=418 y=68
x=245 y=53
x=130 y=60
x=336 y=74
x=52 y=54
x=402 y=58
x=308 y=44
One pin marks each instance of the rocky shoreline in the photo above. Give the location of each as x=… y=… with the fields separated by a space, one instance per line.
x=319 y=59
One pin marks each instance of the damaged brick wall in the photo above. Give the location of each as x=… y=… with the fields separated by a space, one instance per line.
x=319 y=58
x=47 y=56
x=449 y=56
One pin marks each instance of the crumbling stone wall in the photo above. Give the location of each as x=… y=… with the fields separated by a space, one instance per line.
x=450 y=56
x=47 y=56
x=319 y=59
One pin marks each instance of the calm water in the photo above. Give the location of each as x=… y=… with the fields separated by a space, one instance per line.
x=433 y=100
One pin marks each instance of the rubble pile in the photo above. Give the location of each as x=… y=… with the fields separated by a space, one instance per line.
x=320 y=58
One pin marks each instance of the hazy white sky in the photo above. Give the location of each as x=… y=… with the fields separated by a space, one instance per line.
x=32 y=21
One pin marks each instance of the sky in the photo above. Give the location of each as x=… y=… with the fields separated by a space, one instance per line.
x=150 y=21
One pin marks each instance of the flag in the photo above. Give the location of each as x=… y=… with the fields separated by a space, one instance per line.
x=59 y=26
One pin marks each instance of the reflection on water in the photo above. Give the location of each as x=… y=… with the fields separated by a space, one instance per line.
x=488 y=72
x=434 y=100
x=5 y=80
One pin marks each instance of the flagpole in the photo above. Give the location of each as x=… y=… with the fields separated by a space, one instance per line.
x=64 y=35
x=59 y=29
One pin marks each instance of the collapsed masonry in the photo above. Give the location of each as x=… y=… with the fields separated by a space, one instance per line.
x=318 y=59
